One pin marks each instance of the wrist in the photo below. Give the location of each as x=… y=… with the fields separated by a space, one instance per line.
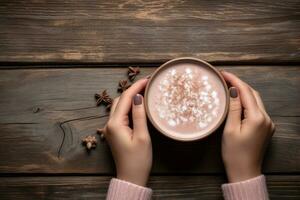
x=238 y=175
x=134 y=178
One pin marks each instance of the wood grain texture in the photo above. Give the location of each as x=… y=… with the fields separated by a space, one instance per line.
x=164 y=187
x=38 y=105
x=149 y=31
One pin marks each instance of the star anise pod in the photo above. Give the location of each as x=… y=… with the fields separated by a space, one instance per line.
x=133 y=72
x=89 y=142
x=103 y=98
x=123 y=85
x=108 y=103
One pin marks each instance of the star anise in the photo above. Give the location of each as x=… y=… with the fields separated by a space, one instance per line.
x=109 y=103
x=89 y=142
x=133 y=72
x=103 y=98
x=123 y=85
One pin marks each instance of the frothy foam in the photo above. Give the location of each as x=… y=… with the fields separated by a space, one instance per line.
x=187 y=97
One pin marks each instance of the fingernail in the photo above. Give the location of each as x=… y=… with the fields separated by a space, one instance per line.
x=137 y=99
x=233 y=92
x=222 y=70
x=149 y=76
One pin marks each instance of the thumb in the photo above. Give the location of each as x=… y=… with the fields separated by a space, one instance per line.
x=233 y=121
x=139 y=116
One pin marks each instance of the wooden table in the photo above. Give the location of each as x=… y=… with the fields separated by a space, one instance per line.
x=55 y=55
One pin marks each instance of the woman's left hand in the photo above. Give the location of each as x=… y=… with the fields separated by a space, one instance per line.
x=131 y=148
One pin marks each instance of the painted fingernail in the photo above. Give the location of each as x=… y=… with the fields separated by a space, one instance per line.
x=233 y=92
x=137 y=99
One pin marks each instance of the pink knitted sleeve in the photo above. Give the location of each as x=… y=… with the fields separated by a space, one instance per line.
x=252 y=189
x=123 y=190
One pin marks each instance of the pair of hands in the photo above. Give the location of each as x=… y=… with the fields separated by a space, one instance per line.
x=245 y=137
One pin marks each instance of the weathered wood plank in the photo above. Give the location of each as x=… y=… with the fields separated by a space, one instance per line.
x=164 y=187
x=133 y=31
x=29 y=140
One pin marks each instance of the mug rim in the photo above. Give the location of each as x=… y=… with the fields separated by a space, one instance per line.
x=187 y=60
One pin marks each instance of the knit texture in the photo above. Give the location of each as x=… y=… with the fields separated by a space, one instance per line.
x=252 y=189
x=123 y=190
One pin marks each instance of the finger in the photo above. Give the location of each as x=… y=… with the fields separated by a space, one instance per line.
x=259 y=102
x=113 y=106
x=273 y=129
x=247 y=98
x=233 y=121
x=139 y=117
x=125 y=100
x=263 y=110
x=101 y=131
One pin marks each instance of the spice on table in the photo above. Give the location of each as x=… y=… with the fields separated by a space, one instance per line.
x=90 y=142
x=103 y=98
x=36 y=110
x=133 y=72
x=109 y=104
x=123 y=85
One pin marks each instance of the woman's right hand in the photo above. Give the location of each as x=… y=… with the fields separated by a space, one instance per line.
x=247 y=131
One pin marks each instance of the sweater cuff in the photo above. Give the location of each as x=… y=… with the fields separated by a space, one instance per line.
x=252 y=189
x=123 y=190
